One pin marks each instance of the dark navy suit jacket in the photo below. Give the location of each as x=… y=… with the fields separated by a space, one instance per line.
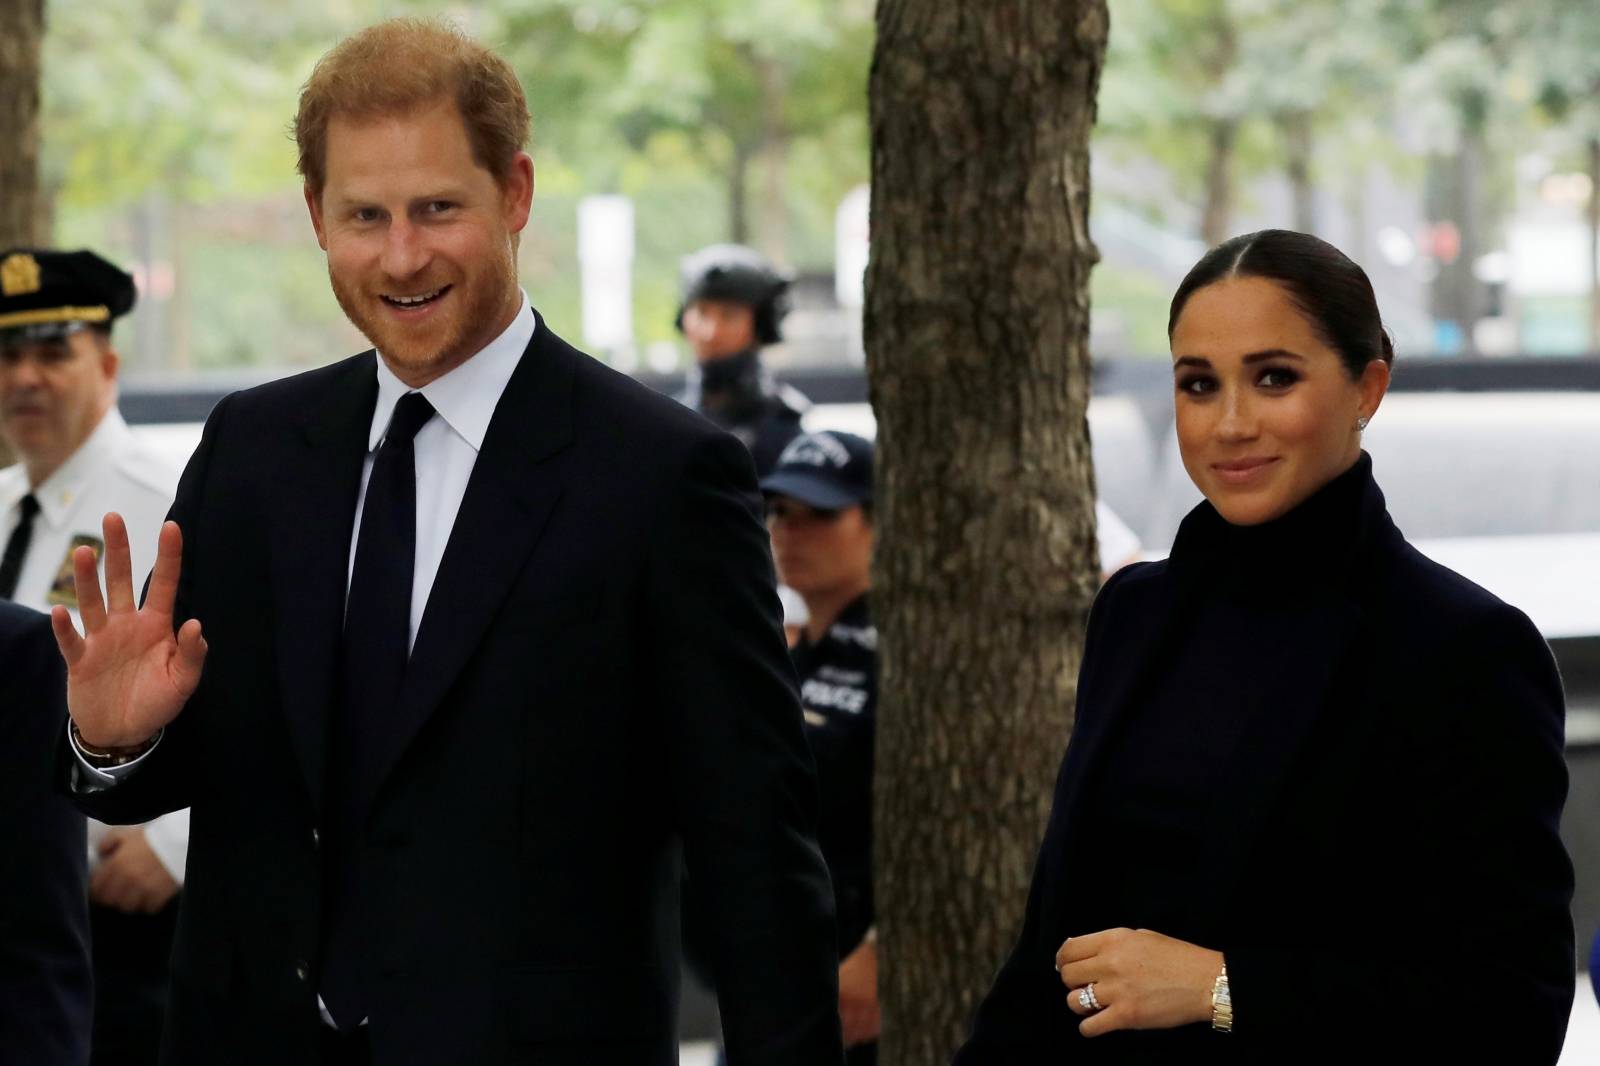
x=45 y=978
x=598 y=692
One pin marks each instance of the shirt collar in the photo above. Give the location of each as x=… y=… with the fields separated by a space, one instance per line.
x=57 y=493
x=466 y=396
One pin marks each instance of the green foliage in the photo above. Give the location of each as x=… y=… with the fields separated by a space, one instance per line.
x=179 y=109
x=188 y=103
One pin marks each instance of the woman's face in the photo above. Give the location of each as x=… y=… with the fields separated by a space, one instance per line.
x=1266 y=412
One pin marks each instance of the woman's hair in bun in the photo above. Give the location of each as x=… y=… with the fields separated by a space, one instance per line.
x=1325 y=284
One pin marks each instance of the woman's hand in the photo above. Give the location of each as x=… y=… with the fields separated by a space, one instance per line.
x=1142 y=980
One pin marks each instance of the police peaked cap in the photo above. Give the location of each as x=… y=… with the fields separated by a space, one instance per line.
x=44 y=294
x=742 y=275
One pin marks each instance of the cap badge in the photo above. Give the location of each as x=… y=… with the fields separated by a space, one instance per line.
x=19 y=275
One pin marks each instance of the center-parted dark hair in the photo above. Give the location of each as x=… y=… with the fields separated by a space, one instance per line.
x=1324 y=283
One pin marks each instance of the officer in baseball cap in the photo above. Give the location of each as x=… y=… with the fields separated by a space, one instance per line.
x=819 y=512
x=733 y=304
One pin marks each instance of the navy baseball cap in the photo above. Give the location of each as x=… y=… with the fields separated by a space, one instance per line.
x=827 y=470
x=45 y=294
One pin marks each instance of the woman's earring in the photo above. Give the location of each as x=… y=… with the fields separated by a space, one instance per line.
x=1361 y=424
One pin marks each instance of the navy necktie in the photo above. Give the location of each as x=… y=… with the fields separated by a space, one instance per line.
x=17 y=547
x=376 y=646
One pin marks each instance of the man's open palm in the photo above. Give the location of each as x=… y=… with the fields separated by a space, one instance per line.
x=128 y=675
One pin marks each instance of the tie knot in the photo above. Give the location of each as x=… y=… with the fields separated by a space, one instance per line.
x=410 y=414
x=29 y=505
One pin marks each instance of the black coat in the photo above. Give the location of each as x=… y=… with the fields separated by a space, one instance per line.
x=1387 y=839
x=45 y=980
x=598 y=686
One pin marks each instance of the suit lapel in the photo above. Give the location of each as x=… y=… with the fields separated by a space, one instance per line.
x=510 y=496
x=314 y=514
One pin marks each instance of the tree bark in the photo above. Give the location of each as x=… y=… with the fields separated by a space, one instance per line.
x=21 y=40
x=1295 y=127
x=19 y=120
x=976 y=333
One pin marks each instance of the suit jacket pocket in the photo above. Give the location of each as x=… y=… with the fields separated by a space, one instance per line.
x=593 y=1004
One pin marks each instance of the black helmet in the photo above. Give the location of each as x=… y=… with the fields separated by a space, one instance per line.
x=734 y=272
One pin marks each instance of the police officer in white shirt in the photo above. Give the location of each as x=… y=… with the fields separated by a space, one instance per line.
x=78 y=460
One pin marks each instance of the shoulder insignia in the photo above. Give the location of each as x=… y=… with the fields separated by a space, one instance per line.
x=64 y=590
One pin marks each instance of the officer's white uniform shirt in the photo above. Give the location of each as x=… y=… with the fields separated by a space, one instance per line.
x=112 y=471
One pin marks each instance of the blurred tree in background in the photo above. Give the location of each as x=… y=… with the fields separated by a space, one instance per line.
x=164 y=142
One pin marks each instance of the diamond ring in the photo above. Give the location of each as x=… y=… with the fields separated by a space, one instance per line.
x=1086 y=998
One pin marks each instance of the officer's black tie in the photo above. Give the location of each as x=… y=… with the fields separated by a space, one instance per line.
x=373 y=663
x=17 y=547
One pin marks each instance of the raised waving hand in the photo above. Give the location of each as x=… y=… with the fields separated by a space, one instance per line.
x=128 y=675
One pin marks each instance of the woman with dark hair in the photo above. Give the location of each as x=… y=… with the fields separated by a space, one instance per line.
x=1309 y=812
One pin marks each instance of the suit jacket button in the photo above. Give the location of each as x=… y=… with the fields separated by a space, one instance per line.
x=302 y=972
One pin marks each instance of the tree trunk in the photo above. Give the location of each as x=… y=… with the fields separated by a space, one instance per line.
x=19 y=120
x=1594 y=244
x=1295 y=128
x=976 y=333
x=739 y=195
x=21 y=38
x=1217 y=214
x=1452 y=199
x=774 y=160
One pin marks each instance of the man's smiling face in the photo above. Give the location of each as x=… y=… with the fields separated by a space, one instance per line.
x=420 y=237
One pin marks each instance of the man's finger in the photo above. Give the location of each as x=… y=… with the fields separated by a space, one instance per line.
x=91 y=608
x=118 y=563
x=169 y=564
x=67 y=638
x=109 y=843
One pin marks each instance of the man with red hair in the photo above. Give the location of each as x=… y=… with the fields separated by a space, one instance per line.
x=456 y=649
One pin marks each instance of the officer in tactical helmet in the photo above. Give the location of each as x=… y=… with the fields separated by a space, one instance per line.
x=733 y=301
